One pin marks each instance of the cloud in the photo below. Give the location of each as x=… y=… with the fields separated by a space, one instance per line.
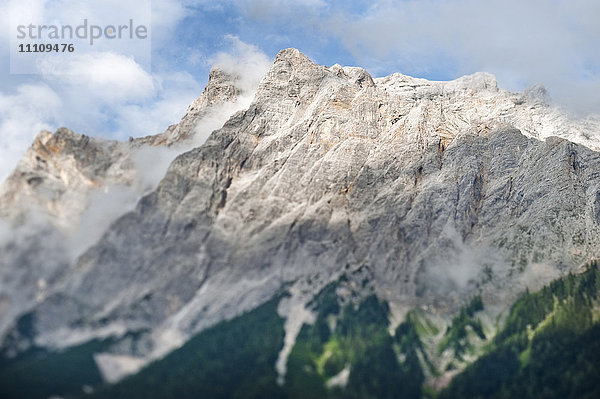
x=452 y=268
x=521 y=42
x=244 y=60
x=175 y=93
x=270 y=10
x=106 y=76
x=103 y=209
x=31 y=108
x=166 y=14
x=100 y=93
x=23 y=277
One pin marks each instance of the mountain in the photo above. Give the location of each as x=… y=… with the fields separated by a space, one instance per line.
x=339 y=236
x=69 y=188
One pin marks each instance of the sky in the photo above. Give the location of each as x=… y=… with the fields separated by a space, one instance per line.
x=116 y=95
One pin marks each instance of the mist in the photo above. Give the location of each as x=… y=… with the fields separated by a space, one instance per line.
x=455 y=270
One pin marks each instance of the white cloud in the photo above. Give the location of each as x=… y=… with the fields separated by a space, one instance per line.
x=105 y=76
x=521 y=42
x=99 y=93
x=175 y=93
x=103 y=209
x=453 y=267
x=22 y=114
x=244 y=60
x=166 y=14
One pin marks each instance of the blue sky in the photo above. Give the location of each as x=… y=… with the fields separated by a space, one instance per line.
x=552 y=42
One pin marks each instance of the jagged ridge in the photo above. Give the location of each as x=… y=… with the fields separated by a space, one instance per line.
x=429 y=188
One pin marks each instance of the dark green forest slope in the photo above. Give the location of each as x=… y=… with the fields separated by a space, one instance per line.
x=547 y=347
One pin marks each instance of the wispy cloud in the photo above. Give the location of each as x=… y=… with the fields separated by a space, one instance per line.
x=523 y=43
x=269 y=10
x=244 y=60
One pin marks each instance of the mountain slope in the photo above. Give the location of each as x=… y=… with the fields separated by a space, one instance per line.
x=68 y=188
x=421 y=194
x=556 y=326
x=547 y=348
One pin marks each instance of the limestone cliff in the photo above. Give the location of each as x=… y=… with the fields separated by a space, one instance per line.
x=428 y=192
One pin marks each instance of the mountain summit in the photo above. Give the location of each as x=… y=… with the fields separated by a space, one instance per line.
x=332 y=193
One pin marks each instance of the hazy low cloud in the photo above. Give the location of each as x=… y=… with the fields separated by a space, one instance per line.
x=454 y=268
x=552 y=43
x=174 y=93
x=104 y=207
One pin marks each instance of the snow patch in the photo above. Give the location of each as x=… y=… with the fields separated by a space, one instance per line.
x=340 y=379
x=397 y=315
x=296 y=315
x=116 y=367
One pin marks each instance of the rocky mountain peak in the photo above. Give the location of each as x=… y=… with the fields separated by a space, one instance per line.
x=221 y=86
x=293 y=57
x=477 y=82
x=538 y=94
x=224 y=89
x=58 y=172
x=422 y=193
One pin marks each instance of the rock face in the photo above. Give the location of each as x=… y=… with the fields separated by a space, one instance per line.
x=430 y=191
x=60 y=171
x=68 y=188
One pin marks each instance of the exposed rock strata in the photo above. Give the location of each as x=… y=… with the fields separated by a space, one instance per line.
x=431 y=191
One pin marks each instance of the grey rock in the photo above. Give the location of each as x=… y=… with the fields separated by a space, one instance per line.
x=68 y=188
x=432 y=191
